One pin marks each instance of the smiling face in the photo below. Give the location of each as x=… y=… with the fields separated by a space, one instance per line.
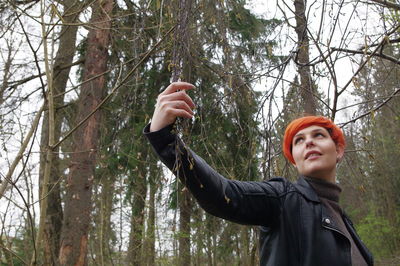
x=315 y=153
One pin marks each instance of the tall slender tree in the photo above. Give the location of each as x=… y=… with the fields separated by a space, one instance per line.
x=308 y=89
x=77 y=211
x=62 y=67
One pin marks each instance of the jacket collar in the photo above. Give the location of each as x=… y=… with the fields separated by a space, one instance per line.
x=306 y=190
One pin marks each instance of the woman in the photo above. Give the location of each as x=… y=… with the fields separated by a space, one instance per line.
x=300 y=223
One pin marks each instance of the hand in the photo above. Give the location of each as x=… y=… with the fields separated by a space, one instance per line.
x=173 y=102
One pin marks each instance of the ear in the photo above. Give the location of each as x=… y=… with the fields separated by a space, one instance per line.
x=340 y=153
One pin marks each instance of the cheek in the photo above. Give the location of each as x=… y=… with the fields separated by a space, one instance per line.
x=333 y=155
x=296 y=153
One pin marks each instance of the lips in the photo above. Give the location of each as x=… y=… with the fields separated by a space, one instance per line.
x=312 y=154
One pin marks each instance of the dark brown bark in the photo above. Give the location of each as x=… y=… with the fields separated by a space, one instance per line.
x=307 y=88
x=65 y=54
x=77 y=212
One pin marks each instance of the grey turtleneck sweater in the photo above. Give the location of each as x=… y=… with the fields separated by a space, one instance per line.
x=329 y=193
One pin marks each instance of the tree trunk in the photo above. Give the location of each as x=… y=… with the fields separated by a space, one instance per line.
x=151 y=220
x=211 y=234
x=64 y=57
x=245 y=245
x=137 y=220
x=6 y=73
x=74 y=234
x=104 y=229
x=185 y=208
x=254 y=247
x=199 y=236
x=307 y=88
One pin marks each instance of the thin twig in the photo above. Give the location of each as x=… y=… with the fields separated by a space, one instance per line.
x=372 y=110
x=387 y=4
x=13 y=253
x=57 y=70
x=368 y=58
x=25 y=143
x=381 y=55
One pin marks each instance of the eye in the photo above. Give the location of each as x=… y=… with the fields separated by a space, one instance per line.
x=297 y=140
x=319 y=134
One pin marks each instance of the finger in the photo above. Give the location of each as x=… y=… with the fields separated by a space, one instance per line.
x=176 y=105
x=176 y=86
x=181 y=113
x=176 y=96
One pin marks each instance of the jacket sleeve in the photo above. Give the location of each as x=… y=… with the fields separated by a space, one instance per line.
x=253 y=203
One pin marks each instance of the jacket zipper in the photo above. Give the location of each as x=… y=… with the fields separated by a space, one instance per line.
x=338 y=231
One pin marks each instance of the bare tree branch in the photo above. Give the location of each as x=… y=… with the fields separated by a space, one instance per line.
x=13 y=253
x=381 y=55
x=8 y=178
x=397 y=40
x=373 y=109
x=387 y=4
x=369 y=57
x=115 y=88
x=24 y=2
x=56 y=70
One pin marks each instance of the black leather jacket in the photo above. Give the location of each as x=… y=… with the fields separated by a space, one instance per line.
x=295 y=228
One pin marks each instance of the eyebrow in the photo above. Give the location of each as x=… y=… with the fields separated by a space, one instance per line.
x=313 y=131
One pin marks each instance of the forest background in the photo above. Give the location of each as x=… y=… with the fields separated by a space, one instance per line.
x=79 y=80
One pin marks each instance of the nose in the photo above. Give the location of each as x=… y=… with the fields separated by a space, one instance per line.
x=309 y=142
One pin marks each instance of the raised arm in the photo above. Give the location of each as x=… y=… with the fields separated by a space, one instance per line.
x=256 y=203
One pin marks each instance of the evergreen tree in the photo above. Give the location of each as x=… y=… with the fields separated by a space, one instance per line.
x=377 y=142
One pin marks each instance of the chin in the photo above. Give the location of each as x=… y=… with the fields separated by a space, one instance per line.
x=316 y=173
x=320 y=174
x=319 y=171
